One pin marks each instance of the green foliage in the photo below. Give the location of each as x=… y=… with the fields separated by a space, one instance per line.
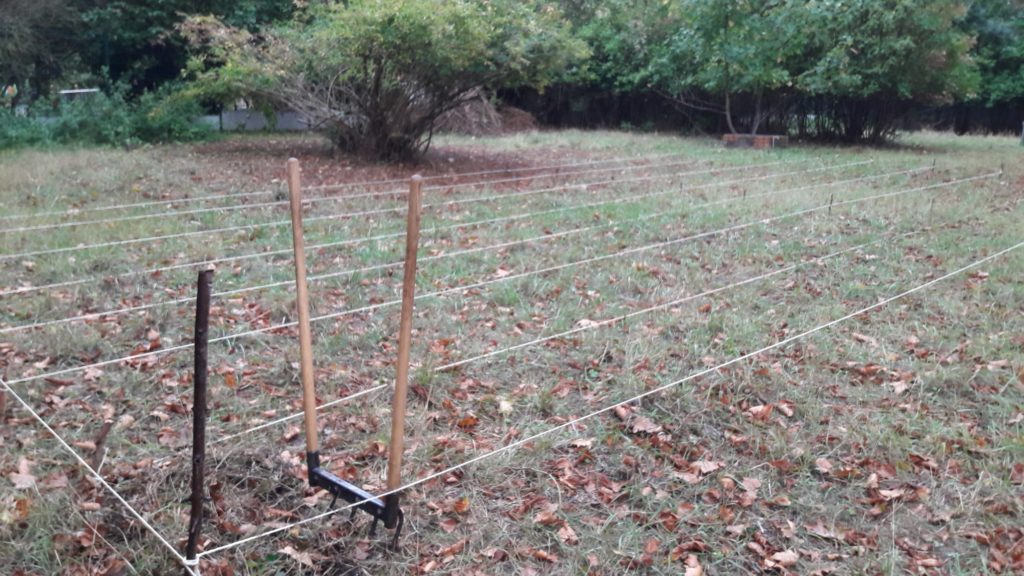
x=168 y=115
x=17 y=131
x=621 y=36
x=103 y=119
x=856 y=63
x=729 y=46
x=998 y=26
x=902 y=49
x=107 y=119
x=376 y=74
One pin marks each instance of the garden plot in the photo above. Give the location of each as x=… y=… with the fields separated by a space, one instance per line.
x=652 y=362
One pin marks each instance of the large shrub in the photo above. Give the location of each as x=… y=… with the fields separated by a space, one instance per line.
x=375 y=75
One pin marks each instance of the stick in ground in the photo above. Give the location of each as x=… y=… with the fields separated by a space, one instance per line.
x=202 y=334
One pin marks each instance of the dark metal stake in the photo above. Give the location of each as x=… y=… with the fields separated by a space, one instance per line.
x=199 y=378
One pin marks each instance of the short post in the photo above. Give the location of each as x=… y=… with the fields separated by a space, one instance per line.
x=199 y=379
x=412 y=240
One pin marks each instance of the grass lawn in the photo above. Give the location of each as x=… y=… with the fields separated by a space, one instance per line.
x=702 y=282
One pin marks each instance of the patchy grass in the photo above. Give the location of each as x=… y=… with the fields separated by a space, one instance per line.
x=888 y=443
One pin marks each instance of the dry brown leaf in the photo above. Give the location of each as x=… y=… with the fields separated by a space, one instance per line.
x=622 y=412
x=468 y=422
x=454 y=549
x=823 y=466
x=786 y=558
x=693 y=567
x=545 y=556
x=291 y=433
x=448 y=525
x=864 y=339
x=568 y=535
x=1017 y=474
x=304 y=558
x=706 y=466
x=23 y=478
x=582 y=443
x=547 y=518
x=644 y=425
x=461 y=506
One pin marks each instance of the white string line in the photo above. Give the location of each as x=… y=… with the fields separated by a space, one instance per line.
x=76 y=211
x=457 y=175
x=346 y=215
x=376 y=267
x=463 y=288
x=455 y=226
x=28 y=408
x=665 y=387
x=593 y=326
x=555 y=336
x=310 y=201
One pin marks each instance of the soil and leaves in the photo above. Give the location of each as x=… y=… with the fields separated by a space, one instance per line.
x=891 y=442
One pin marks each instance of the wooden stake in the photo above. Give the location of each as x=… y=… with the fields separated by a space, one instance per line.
x=302 y=303
x=412 y=240
x=199 y=378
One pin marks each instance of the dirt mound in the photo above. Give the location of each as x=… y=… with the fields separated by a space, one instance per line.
x=480 y=116
x=517 y=120
x=477 y=116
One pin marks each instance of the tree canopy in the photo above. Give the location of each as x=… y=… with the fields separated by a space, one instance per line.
x=374 y=75
x=847 y=69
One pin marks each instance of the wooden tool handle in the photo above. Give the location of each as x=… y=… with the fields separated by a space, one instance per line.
x=412 y=241
x=302 y=303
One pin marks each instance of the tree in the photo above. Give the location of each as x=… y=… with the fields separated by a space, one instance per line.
x=374 y=75
x=34 y=40
x=135 y=42
x=728 y=49
x=998 y=26
x=874 y=58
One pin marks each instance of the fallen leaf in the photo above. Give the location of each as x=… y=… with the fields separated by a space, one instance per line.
x=461 y=505
x=453 y=549
x=567 y=534
x=582 y=443
x=706 y=466
x=545 y=556
x=693 y=567
x=823 y=466
x=547 y=518
x=864 y=339
x=291 y=433
x=1017 y=474
x=23 y=478
x=304 y=558
x=449 y=525
x=786 y=558
x=925 y=462
x=644 y=425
